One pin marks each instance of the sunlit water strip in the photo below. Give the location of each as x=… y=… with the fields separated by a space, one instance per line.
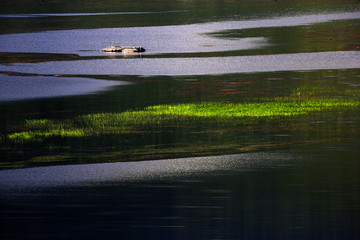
x=139 y=171
x=20 y=88
x=158 y=39
x=196 y=66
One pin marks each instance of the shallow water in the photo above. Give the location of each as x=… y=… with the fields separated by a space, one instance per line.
x=159 y=39
x=298 y=180
x=196 y=66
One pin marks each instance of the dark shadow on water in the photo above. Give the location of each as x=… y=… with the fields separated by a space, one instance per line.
x=298 y=193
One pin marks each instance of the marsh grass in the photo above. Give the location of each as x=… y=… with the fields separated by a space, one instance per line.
x=316 y=111
x=265 y=109
x=280 y=109
x=22 y=137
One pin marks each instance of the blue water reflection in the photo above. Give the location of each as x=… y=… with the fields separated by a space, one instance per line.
x=159 y=39
x=196 y=66
x=29 y=87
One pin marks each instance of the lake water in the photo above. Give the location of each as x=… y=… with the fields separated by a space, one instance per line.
x=300 y=193
x=197 y=66
x=161 y=39
x=295 y=179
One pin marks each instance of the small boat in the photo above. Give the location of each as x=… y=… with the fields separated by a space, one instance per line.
x=123 y=49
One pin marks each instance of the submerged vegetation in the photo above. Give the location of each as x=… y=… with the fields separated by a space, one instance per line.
x=265 y=109
x=197 y=116
x=174 y=115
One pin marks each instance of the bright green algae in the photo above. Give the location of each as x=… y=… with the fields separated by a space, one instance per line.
x=160 y=115
x=266 y=109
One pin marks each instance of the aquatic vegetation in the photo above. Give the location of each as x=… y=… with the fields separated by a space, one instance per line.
x=35 y=57
x=38 y=122
x=277 y=118
x=174 y=114
x=317 y=91
x=266 y=109
x=22 y=137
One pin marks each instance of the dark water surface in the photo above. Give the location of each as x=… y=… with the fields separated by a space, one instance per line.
x=285 y=179
x=298 y=193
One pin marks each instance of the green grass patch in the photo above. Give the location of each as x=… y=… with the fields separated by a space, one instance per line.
x=174 y=115
x=26 y=136
x=266 y=109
